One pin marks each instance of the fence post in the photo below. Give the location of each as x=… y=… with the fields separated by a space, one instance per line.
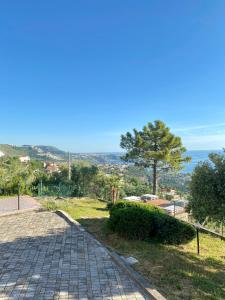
x=18 y=197
x=174 y=208
x=198 y=248
x=222 y=229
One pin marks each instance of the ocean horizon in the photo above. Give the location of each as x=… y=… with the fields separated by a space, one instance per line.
x=197 y=156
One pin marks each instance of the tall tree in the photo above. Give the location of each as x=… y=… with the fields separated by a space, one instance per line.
x=154 y=147
x=208 y=189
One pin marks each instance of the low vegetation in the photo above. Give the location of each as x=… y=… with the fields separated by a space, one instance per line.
x=86 y=180
x=146 y=222
x=176 y=270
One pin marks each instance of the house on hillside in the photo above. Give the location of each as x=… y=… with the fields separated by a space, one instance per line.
x=52 y=168
x=24 y=159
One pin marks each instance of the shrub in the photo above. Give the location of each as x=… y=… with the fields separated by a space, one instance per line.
x=131 y=222
x=173 y=231
x=144 y=222
x=127 y=204
x=109 y=205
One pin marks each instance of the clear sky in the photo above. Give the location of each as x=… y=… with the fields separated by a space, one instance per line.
x=78 y=73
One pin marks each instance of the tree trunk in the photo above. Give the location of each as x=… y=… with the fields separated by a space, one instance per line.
x=154 y=178
x=113 y=195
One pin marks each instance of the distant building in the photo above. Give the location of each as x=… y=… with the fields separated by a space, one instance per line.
x=24 y=159
x=170 y=209
x=52 y=168
x=132 y=198
x=148 y=197
x=1 y=154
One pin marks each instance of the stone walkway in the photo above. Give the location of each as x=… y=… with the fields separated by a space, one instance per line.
x=43 y=257
x=11 y=204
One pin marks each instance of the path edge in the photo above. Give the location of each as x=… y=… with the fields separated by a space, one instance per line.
x=20 y=211
x=142 y=283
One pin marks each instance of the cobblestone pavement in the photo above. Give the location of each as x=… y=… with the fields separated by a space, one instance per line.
x=11 y=204
x=43 y=257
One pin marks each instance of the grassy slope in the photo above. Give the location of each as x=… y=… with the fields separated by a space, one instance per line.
x=177 y=271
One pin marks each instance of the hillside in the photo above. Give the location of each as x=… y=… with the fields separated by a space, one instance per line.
x=38 y=152
x=11 y=150
x=50 y=153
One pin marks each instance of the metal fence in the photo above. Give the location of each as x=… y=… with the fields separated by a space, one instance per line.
x=59 y=190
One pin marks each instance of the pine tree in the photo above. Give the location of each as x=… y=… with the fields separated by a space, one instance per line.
x=156 y=147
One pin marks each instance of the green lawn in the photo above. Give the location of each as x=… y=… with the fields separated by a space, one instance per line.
x=177 y=271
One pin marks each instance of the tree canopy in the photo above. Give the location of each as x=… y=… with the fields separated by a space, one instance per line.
x=155 y=147
x=207 y=189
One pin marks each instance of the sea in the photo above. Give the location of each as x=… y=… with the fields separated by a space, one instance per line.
x=197 y=156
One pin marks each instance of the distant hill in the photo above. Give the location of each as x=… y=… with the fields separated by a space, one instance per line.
x=46 y=153
x=50 y=153
x=11 y=150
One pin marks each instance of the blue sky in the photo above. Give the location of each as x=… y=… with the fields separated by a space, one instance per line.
x=78 y=74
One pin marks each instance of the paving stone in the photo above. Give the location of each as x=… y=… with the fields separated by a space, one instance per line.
x=43 y=257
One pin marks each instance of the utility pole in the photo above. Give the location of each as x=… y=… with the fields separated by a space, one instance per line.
x=69 y=166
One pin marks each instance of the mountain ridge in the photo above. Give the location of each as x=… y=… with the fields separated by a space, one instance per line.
x=51 y=153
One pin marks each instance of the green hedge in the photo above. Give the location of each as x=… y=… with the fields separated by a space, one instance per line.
x=144 y=222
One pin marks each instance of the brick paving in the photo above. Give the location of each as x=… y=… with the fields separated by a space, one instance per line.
x=43 y=257
x=11 y=204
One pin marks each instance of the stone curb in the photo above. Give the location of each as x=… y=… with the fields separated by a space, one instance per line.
x=147 y=287
x=21 y=211
x=139 y=279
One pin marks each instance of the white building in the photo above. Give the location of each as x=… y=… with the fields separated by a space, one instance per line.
x=1 y=154
x=149 y=197
x=24 y=159
x=132 y=198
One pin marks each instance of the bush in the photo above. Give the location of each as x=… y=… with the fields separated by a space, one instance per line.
x=173 y=231
x=144 y=222
x=132 y=222
x=109 y=205
x=127 y=204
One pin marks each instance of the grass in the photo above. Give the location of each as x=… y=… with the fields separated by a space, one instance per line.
x=7 y=196
x=177 y=271
x=78 y=208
